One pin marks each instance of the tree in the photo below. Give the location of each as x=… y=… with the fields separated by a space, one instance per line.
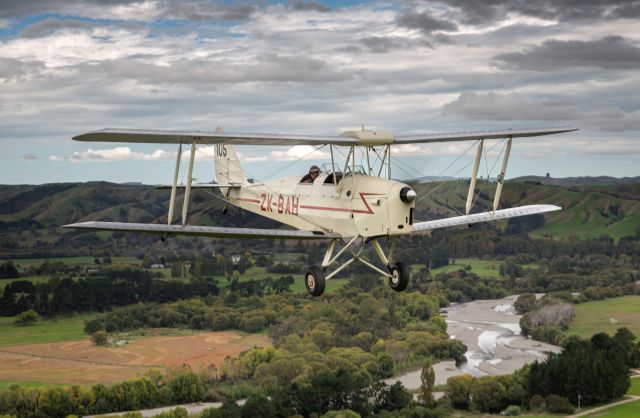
x=488 y=394
x=100 y=337
x=428 y=378
x=459 y=391
x=8 y=271
x=26 y=318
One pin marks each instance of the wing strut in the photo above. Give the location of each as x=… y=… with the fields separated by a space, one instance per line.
x=187 y=191
x=474 y=176
x=172 y=202
x=505 y=161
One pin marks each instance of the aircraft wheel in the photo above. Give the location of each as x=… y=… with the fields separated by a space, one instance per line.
x=399 y=276
x=314 y=281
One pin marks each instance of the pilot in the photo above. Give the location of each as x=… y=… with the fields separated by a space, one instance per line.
x=314 y=171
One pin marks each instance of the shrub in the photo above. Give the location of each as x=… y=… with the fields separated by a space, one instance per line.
x=558 y=405
x=25 y=318
x=536 y=403
x=511 y=411
x=100 y=337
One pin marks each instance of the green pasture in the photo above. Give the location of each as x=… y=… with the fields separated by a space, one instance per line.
x=44 y=331
x=606 y=315
x=27 y=262
x=6 y=384
x=634 y=389
x=32 y=279
x=627 y=410
x=483 y=268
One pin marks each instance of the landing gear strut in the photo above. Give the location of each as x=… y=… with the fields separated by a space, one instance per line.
x=397 y=273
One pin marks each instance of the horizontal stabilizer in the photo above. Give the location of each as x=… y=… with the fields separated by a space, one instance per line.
x=484 y=217
x=205 y=231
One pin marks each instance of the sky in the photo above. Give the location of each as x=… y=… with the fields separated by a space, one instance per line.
x=311 y=67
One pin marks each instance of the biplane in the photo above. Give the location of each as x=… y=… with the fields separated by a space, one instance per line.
x=349 y=205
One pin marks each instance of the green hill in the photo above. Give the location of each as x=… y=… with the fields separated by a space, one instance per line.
x=588 y=211
x=30 y=215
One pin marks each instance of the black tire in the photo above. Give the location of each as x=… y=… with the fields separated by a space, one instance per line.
x=314 y=281
x=400 y=277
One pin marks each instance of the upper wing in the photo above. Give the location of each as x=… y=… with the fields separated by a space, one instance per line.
x=206 y=231
x=177 y=137
x=474 y=136
x=369 y=138
x=484 y=217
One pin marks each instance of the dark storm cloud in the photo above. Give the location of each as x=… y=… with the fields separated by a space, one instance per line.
x=610 y=52
x=423 y=21
x=207 y=10
x=48 y=26
x=476 y=12
x=301 y=5
x=266 y=68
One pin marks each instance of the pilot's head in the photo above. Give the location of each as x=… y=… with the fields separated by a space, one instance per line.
x=314 y=171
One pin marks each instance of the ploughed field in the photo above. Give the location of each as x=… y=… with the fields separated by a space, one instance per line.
x=82 y=362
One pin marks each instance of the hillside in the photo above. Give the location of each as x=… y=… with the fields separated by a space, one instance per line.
x=588 y=211
x=30 y=216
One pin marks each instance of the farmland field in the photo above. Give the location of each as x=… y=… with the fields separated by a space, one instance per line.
x=44 y=331
x=483 y=268
x=634 y=389
x=631 y=409
x=82 y=362
x=606 y=315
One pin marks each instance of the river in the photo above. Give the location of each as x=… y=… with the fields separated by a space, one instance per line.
x=490 y=329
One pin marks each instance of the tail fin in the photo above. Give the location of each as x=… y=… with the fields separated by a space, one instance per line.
x=228 y=169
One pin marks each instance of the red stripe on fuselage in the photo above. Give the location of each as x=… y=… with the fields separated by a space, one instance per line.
x=244 y=199
x=362 y=196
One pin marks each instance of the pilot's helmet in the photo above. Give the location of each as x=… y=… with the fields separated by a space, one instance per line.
x=314 y=169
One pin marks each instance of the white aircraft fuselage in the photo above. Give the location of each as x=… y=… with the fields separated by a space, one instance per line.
x=358 y=204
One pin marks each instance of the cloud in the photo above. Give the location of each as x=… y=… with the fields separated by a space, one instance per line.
x=382 y=44
x=14 y=69
x=610 y=52
x=514 y=106
x=95 y=9
x=299 y=152
x=48 y=26
x=204 y=10
x=29 y=157
x=309 y=5
x=268 y=67
x=424 y=21
x=473 y=12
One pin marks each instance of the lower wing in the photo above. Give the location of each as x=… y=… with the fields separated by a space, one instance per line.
x=484 y=217
x=206 y=231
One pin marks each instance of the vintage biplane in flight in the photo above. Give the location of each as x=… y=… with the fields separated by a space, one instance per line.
x=347 y=205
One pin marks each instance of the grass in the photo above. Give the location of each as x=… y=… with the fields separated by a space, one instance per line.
x=631 y=409
x=26 y=262
x=6 y=384
x=44 y=331
x=606 y=315
x=634 y=389
x=32 y=279
x=483 y=268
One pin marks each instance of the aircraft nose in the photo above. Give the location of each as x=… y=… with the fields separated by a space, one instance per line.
x=407 y=195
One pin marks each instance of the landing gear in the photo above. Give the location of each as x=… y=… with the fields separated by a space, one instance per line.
x=397 y=273
x=314 y=281
x=399 y=278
